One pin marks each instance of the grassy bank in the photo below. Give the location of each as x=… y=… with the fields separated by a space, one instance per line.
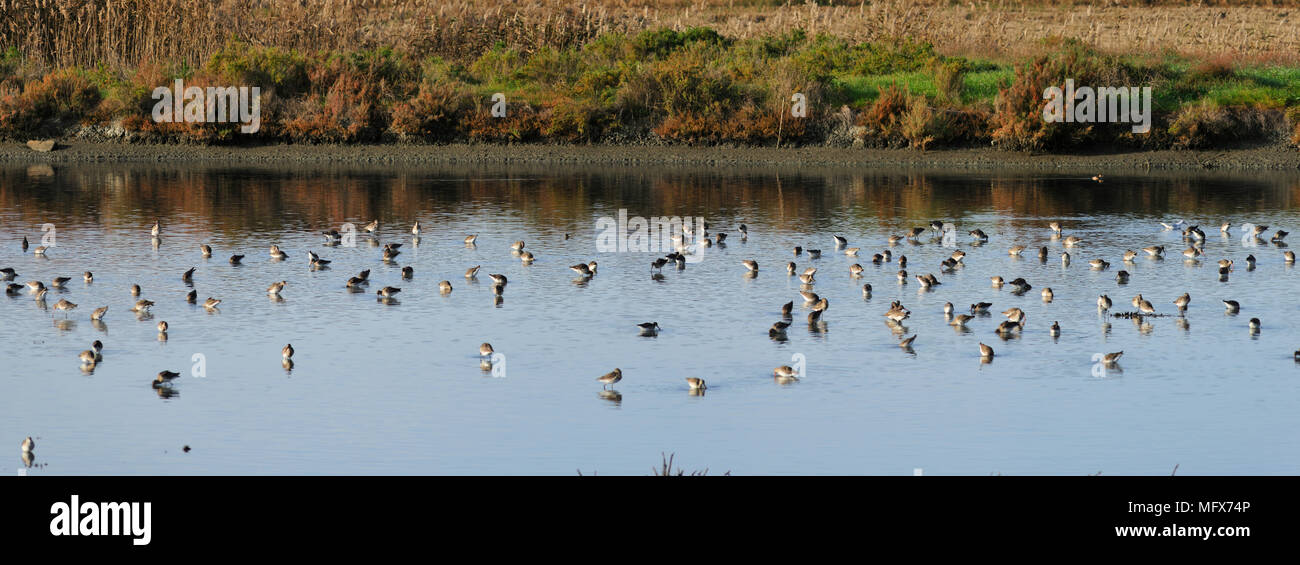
x=691 y=85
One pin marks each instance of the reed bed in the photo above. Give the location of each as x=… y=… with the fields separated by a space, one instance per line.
x=129 y=33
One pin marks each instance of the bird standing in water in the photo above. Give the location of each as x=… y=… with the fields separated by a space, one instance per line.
x=610 y=378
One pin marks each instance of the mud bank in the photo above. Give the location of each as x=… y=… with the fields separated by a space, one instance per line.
x=1266 y=158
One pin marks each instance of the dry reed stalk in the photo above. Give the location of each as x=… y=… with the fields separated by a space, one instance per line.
x=127 y=33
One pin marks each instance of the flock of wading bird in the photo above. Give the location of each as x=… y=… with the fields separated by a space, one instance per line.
x=1193 y=236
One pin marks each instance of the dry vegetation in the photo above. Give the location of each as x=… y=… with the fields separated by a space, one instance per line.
x=132 y=32
x=917 y=74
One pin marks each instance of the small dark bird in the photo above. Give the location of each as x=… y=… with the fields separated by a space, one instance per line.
x=164 y=377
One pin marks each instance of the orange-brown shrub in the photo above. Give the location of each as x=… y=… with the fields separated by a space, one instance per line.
x=436 y=111
x=348 y=110
x=1214 y=68
x=884 y=117
x=1293 y=117
x=751 y=124
x=60 y=96
x=521 y=123
x=1206 y=124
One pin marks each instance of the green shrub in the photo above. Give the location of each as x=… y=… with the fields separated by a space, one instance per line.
x=949 y=81
x=662 y=42
x=267 y=68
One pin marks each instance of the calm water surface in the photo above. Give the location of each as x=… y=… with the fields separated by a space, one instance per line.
x=397 y=388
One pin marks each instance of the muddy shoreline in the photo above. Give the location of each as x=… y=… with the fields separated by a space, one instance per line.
x=1265 y=158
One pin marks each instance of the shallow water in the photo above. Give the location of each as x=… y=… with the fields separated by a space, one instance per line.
x=398 y=388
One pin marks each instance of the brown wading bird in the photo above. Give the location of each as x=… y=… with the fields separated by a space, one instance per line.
x=64 y=306
x=610 y=378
